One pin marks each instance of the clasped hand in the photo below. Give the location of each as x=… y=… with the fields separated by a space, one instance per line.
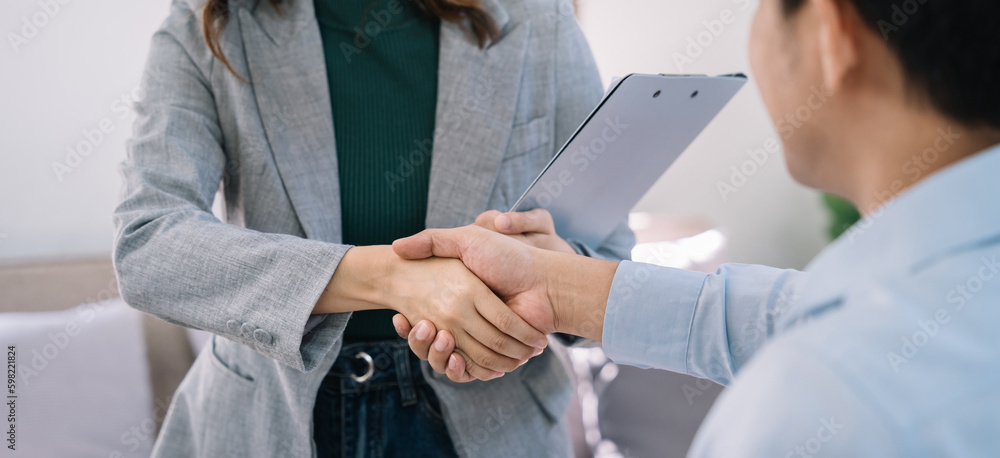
x=506 y=290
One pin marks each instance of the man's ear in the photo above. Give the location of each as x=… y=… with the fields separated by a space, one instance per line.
x=838 y=41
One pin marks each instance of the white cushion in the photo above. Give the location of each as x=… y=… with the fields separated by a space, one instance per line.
x=82 y=382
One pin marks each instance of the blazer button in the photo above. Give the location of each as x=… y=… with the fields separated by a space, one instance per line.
x=247 y=329
x=233 y=326
x=262 y=336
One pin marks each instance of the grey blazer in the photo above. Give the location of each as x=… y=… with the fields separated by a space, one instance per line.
x=269 y=140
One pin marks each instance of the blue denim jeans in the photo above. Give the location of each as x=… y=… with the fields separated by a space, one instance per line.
x=375 y=403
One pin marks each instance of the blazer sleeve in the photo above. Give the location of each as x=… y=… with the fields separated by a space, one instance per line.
x=177 y=261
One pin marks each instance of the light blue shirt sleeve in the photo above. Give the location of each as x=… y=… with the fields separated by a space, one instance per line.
x=705 y=325
x=890 y=350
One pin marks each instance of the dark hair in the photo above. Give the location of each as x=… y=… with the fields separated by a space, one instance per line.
x=949 y=49
x=480 y=23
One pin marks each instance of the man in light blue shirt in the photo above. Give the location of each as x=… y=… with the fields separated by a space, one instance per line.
x=888 y=344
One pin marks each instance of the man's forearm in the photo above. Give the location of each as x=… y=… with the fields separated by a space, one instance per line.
x=578 y=288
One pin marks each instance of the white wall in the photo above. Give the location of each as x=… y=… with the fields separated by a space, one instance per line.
x=79 y=69
x=770 y=219
x=73 y=74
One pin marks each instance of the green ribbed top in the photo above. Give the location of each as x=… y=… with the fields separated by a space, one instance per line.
x=382 y=66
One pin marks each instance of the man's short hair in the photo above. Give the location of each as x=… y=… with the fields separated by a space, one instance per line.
x=949 y=50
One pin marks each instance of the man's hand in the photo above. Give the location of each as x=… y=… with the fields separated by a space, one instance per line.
x=491 y=338
x=521 y=275
x=506 y=265
x=513 y=270
x=446 y=293
x=534 y=227
x=437 y=348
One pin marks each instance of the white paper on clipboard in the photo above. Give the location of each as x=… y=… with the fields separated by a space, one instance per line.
x=639 y=129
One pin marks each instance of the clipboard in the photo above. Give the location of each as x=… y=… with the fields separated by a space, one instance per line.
x=639 y=129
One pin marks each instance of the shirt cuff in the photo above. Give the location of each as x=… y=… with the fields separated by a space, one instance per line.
x=649 y=315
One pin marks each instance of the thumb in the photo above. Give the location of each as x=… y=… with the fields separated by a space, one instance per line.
x=537 y=220
x=443 y=243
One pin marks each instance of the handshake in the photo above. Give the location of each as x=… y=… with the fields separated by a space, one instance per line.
x=488 y=294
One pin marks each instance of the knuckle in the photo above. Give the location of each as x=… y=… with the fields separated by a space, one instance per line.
x=542 y=218
x=472 y=369
x=499 y=342
x=488 y=361
x=447 y=318
x=504 y=322
x=462 y=288
x=470 y=288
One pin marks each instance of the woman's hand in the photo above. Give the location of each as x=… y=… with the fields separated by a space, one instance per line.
x=553 y=292
x=534 y=227
x=491 y=338
x=483 y=328
x=435 y=347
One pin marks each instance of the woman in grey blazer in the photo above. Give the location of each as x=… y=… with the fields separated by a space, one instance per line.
x=248 y=98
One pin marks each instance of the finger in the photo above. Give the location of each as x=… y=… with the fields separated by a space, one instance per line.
x=444 y=243
x=501 y=349
x=485 y=219
x=402 y=325
x=510 y=326
x=537 y=220
x=473 y=370
x=481 y=355
x=456 y=368
x=421 y=337
x=444 y=346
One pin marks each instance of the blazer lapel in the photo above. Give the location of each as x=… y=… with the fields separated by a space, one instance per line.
x=477 y=97
x=285 y=59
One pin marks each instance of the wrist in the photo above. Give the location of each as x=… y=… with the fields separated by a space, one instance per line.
x=361 y=281
x=383 y=267
x=578 y=288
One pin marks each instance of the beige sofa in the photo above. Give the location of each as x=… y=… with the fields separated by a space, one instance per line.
x=48 y=286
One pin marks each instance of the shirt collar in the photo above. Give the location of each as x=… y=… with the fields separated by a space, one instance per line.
x=952 y=209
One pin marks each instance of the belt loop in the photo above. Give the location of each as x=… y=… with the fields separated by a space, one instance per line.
x=403 y=376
